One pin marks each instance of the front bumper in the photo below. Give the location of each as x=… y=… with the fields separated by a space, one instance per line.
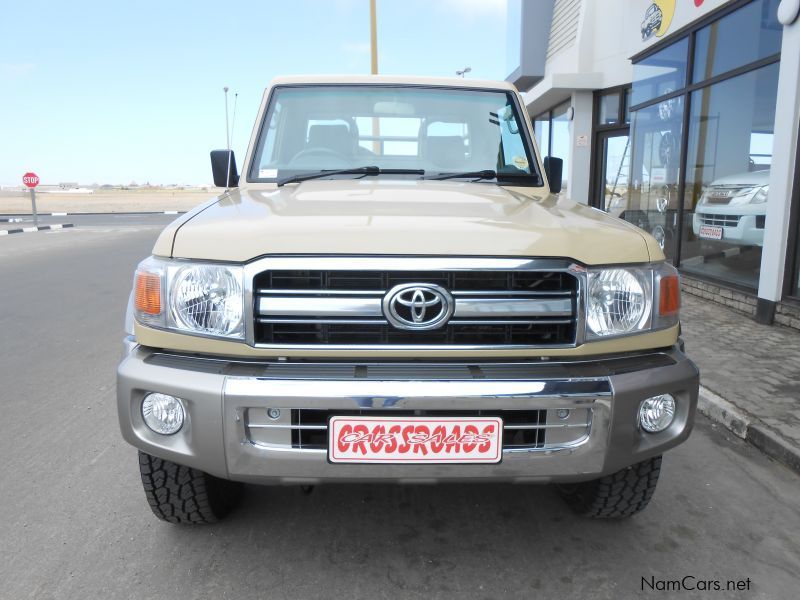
x=224 y=398
x=745 y=233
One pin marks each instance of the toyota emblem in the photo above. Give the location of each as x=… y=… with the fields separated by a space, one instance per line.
x=418 y=306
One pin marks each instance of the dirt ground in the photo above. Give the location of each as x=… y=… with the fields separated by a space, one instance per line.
x=106 y=201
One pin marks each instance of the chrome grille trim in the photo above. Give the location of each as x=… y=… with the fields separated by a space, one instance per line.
x=545 y=433
x=256 y=295
x=719 y=220
x=314 y=307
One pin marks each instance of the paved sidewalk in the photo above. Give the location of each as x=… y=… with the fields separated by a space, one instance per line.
x=755 y=368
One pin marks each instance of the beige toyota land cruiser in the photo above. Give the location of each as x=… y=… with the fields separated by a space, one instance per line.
x=393 y=290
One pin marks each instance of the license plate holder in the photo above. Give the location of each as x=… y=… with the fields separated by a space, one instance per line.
x=415 y=440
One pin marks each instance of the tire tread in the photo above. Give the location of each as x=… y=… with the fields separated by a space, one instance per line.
x=179 y=494
x=617 y=495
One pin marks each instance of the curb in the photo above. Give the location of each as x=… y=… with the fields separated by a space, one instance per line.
x=32 y=229
x=80 y=214
x=748 y=428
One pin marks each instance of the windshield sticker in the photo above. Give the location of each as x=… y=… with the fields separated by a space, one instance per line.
x=520 y=162
x=267 y=173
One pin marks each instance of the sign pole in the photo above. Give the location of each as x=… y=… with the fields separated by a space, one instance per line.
x=31 y=180
x=33 y=207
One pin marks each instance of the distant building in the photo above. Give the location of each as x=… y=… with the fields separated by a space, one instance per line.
x=682 y=118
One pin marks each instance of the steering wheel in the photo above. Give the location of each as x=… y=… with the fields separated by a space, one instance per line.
x=323 y=152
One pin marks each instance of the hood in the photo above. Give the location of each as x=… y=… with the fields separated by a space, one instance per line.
x=401 y=217
x=748 y=178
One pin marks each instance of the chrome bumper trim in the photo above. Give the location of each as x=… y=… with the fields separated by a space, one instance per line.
x=219 y=394
x=379 y=393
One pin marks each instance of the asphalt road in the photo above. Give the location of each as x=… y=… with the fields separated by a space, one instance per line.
x=74 y=522
x=88 y=220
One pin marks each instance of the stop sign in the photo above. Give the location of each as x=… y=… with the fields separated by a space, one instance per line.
x=30 y=179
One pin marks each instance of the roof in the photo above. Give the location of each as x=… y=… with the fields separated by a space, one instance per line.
x=394 y=79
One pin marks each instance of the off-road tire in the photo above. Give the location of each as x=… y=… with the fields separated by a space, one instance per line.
x=620 y=494
x=183 y=495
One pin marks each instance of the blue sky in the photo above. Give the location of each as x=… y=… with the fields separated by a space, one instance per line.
x=114 y=92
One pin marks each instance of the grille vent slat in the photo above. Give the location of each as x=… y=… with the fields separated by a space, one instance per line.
x=531 y=437
x=494 y=329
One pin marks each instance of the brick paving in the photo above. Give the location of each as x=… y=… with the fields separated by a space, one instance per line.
x=755 y=367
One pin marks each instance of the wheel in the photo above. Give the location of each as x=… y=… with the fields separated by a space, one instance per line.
x=183 y=495
x=620 y=494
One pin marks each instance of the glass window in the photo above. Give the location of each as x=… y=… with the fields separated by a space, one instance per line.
x=560 y=141
x=727 y=178
x=615 y=170
x=742 y=37
x=609 y=109
x=628 y=106
x=651 y=200
x=660 y=73
x=541 y=129
x=438 y=130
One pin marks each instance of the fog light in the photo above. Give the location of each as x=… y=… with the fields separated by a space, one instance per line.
x=162 y=413
x=656 y=413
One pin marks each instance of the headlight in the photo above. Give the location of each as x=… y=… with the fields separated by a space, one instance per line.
x=618 y=301
x=200 y=298
x=207 y=299
x=621 y=301
x=760 y=196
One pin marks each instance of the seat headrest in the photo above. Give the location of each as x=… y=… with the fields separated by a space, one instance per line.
x=333 y=137
x=447 y=151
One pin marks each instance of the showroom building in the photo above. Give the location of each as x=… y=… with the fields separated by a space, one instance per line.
x=682 y=117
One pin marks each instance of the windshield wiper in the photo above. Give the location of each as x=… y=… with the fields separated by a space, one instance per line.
x=485 y=174
x=369 y=170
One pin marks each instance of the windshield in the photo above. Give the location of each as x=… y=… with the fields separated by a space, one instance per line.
x=436 y=130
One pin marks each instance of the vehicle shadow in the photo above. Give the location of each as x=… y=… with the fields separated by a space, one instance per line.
x=476 y=540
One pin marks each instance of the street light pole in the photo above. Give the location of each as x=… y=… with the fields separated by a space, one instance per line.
x=373 y=39
x=373 y=27
x=463 y=72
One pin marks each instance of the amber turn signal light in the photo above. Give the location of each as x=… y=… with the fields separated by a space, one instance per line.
x=669 y=301
x=148 y=293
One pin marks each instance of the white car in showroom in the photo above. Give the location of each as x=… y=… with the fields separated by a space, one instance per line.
x=734 y=209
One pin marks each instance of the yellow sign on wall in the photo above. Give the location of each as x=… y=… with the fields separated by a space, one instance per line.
x=657 y=18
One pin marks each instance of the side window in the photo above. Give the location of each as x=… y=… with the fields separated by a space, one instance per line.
x=269 y=155
x=513 y=158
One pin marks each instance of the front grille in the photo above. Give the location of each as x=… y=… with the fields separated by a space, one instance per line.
x=322 y=281
x=523 y=429
x=552 y=323
x=719 y=220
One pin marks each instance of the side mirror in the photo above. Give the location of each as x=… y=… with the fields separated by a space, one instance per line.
x=223 y=167
x=554 y=168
